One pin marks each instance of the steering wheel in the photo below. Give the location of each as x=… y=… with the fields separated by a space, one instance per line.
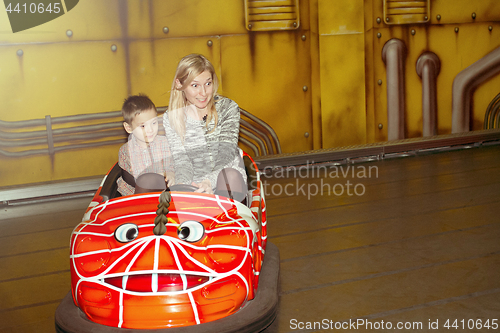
x=182 y=188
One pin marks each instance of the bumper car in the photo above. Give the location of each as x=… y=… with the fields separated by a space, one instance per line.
x=171 y=261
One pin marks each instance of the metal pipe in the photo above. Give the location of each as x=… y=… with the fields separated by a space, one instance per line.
x=65 y=138
x=393 y=55
x=252 y=136
x=262 y=136
x=488 y=119
x=62 y=131
x=464 y=85
x=50 y=141
x=78 y=137
x=60 y=120
x=428 y=66
x=269 y=129
x=249 y=144
x=495 y=119
x=59 y=149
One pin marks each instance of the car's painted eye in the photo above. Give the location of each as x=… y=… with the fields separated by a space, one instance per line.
x=126 y=232
x=191 y=231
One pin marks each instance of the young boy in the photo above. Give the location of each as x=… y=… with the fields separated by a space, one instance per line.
x=145 y=152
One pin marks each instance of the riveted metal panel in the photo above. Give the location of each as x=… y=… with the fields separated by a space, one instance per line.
x=266 y=75
x=268 y=15
x=174 y=18
x=340 y=17
x=380 y=84
x=406 y=11
x=61 y=79
x=108 y=21
x=456 y=51
x=64 y=166
x=465 y=11
x=342 y=67
x=370 y=84
x=153 y=63
x=342 y=97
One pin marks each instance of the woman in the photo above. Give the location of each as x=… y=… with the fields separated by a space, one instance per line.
x=202 y=129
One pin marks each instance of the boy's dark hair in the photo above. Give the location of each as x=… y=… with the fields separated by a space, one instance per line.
x=134 y=105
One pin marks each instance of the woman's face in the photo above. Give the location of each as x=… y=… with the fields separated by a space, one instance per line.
x=199 y=91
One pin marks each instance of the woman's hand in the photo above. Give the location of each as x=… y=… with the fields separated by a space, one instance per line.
x=170 y=178
x=203 y=187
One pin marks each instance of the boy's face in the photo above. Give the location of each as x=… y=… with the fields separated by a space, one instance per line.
x=144 y=127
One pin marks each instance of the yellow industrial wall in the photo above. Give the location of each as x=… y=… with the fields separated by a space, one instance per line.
x=456 y=51
x=354 y=104
x=57 y=74
x=316 y=85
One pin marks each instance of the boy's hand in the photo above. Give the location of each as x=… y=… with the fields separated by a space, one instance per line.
x=203 y=187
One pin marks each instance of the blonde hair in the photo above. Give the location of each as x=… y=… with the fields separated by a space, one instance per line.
x=188 y=69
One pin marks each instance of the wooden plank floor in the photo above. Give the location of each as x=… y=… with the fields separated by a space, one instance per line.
x=417 y=243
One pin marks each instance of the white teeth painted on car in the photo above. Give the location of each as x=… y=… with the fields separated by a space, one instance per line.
x=124 y=282
x=154 y=282
x=184 y=281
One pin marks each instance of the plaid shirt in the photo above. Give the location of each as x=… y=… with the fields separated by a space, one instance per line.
x=136 y=160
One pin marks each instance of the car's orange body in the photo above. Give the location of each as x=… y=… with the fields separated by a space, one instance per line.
x=124 y=275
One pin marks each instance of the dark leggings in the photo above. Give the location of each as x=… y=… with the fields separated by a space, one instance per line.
x=230 y=184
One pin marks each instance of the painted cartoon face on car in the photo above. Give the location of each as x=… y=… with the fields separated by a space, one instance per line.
x=204 y=267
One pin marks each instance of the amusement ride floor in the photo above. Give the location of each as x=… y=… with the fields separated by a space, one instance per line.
x=411 y=242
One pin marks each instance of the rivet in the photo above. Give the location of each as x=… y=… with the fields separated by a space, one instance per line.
x=295 y=24
x=249 y=26
x=473 y=16
x=387 y=19
x=379 y=82
x=210 y=43
x=165 y=30
x=306 y=134
x=379 y=20
x=303 y=37
x=20 y=52
x=380 y=126
x=304 y=88
x=490 y=28
x=69 y=33
x=456 y=29
x=438 y=17
x=413 y=32
x=425 y=18
x=114 y=48
x=379 y=35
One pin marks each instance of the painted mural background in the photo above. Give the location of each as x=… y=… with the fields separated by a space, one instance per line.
x=318 y=80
